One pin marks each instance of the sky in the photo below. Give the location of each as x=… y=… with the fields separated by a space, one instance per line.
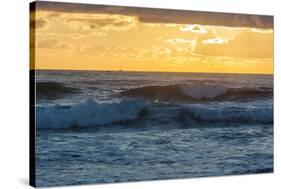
x=96 y=37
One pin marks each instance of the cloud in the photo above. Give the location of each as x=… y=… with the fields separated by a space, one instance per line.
x=246 y=44
x=182 y=45
x=102 y=22
x=181 y=52
x=179 y=41
x=225 y=32
x=150 y=15
x=195 y=28
x=40 y=23
x=155 y=52
x=217 y=40
x=155 y=25
x=54 y=15
x=98 y=33
x=109 y=51
x=64 y=46
x=49 y=43
x=94 y=49
x=52 y=44
x=261 y=30
x=78 y=36
x=161 y=51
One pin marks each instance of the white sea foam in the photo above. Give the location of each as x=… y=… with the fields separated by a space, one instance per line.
x=214 y=114
x=88 y=114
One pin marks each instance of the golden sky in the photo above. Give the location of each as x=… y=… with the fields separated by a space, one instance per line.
x=91 y=37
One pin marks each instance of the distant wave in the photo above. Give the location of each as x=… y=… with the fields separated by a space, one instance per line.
x=88 y=114
x=202 y=114
x=53 y=90
x=197 y=92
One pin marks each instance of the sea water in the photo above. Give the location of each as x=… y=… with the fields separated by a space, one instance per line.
x=104 y=126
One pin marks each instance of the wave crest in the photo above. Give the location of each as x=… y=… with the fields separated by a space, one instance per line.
x=53 y=90
x=197 y=92
x=88 y=114
x=229 y=115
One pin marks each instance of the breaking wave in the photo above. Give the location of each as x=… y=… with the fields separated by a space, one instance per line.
x=197 y=92
x=92 y=114
x=247 y=114
x=88 y=114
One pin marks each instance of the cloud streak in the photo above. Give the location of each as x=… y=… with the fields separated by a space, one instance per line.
x=179 y=41
x=52 y=44
x=103 y=22
x=246 y=44
x=38 y=23
x=151 y=15
x=195 y=28
x=217 y=40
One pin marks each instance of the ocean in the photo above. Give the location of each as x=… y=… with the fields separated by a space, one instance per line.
x=105 y=127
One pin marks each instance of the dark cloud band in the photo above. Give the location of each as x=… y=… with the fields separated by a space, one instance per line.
x=152 y=15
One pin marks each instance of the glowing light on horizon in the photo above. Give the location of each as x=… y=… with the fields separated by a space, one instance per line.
x=102 y=41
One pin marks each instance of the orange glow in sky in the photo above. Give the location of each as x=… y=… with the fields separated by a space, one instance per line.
x=104 y=40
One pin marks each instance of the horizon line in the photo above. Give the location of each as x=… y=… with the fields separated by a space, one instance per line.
x=60 y=69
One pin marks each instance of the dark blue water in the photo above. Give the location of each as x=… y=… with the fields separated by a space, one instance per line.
x=104 y=127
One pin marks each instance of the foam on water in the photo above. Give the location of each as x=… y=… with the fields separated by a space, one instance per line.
x=230 y=115
x=88 y=114
x=92 y=113
x=227 y=114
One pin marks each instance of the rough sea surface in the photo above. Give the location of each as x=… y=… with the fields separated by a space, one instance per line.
x=105 y=127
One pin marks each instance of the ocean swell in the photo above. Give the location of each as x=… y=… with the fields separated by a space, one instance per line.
x=197 y=92
x=53 y=90
x=88 y=114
